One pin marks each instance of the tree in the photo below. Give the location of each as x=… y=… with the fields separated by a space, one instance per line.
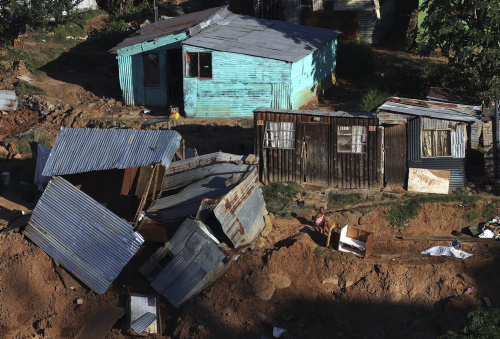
x=468 y=33
x=34 y=13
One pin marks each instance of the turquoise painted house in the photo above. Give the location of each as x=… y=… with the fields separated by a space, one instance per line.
x=216 y=63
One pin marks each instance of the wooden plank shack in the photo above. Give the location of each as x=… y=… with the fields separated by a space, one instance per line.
x=335 y=149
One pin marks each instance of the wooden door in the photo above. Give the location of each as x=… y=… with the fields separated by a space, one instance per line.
x=395 y=155
x=315 y=153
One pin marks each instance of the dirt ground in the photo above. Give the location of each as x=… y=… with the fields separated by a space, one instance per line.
x=319 y=292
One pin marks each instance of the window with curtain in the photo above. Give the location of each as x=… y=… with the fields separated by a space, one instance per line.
x=436 y=143
x=351 y=139
x=279 y=134
x=151 y=69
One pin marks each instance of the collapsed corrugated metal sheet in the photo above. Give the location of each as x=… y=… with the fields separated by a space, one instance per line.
x=241 y=212
x=433 y=109
x=338 y=114
x=262 y=38
x=195 y=261
x=174 y=25
x=203 y=177
x=8 y=100
x=143 y=322
x=86 y=238
x=79 y=150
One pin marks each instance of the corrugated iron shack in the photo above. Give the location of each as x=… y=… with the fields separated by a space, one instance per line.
x=223 y=192
x=336 y=149
x=216 y=63
x=425 y=134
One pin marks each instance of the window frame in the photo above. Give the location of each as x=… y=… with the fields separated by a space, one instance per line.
x=146 y=61
x=187 y=69
x=435 y=143
x=354 y=144
x=281 y=143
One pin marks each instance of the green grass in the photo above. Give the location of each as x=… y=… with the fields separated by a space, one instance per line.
x=23 y=88
x=372 y=99
x=473 y=217
x=280 y=196
x=336 y=199
x=44 y=139
x=3 y=155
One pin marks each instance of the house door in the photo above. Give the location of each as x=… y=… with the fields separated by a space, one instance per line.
x=315 y=153
x=395 y=155
x=174 y=78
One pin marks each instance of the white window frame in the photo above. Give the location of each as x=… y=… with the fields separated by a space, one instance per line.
x=356 y=136
x=279 y=134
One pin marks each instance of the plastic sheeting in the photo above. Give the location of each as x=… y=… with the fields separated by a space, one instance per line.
x=447 y=251
x=41 y=159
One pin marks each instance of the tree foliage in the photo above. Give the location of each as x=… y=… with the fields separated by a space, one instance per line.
x=34 y=13
x=468 y=33
x=484 y=324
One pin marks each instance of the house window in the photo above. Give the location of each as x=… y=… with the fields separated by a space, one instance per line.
x=198 y=65
x=351 y=139
x=436 y=143
x=279 y=135
x=151 y=69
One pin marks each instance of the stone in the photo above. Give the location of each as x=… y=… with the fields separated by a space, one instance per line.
x=268 y=226
x=261 y=287
x=280 y=280
x=332 y=280
x=231 y=181
x=250 y=159
x=12 y=148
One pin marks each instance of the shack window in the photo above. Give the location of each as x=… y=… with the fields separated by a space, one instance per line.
x=198 y=65
x=436 y=143
x=151 y=69
x=351 y=139
x=279 y=135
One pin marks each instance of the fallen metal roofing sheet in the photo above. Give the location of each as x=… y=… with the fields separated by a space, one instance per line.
x=86 y=238
x=143 y=322
x=80 y=150
x=432 y=109
x=338 y=114
x=8 y=100
x=270 y=39
x=241 y=212
x=172 y=26
x=196 y=261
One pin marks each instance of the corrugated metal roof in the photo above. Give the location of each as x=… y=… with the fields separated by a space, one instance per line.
x=241 y=212
x=8 y=100
x=86 y=238
x=80 y=150
x=143 y=322
x=196 y=261
x=338 y=114
x=175 y=25
x=432 y=109
x=262 y=38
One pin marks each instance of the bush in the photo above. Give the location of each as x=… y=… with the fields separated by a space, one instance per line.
x=355 y=59
x=399 y=216
x=280 y=197
x=482 y=324
x=372 y=99
x=23 y=88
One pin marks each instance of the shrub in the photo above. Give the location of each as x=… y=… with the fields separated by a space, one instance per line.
x=355 y=59
x=481 y=324
x=279 y=197
x=399 y=216
x=23 y=88
x=372 y=99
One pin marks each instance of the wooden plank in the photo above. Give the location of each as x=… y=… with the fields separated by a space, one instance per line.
x=101 y=322
x=448 y=238
x=379 y=157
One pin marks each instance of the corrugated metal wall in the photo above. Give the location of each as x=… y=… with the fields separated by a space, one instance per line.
x=131 y=70
x=239 y=84
x=475 y=132
x=346 y=170
x=455 y=165
x=291 y=11
x=308 y=74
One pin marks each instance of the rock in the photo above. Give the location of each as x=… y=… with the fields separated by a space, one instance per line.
x=250 y=159
x=280 y=280
x=332 y=280
x=231 y=181
x=262 y=287
x=263 y=317
x=269 y=226
x=260 y=244
x=12 y=148
x=349 y=283
x=238 y=162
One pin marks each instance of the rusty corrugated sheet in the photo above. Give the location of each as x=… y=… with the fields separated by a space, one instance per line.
x=338 y=114
x=241 y=212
